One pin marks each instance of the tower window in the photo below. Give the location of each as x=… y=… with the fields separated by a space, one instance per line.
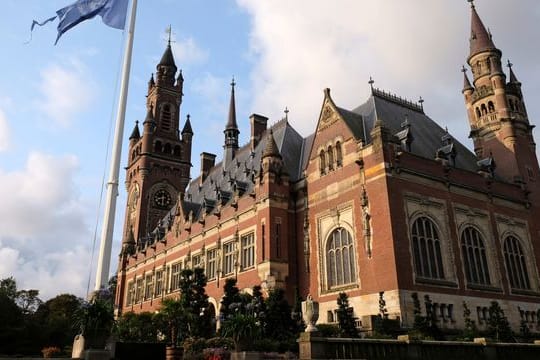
x=426 y=246
x=491 y=107
x=478 y=114
x=167 y=149
x=158 y=147
x=166 y=117
x=516 y=265
x=474 y=257
x=177 y=150
x=484 y=109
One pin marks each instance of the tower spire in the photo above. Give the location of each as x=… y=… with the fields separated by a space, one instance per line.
x=231 y=130
x=466 y=83
x=512 y=78
x=480 y=38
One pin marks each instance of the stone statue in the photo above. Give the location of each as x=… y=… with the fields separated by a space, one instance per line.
x=310 y=312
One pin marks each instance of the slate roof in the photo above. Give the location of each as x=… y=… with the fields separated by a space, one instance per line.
x=427 y=133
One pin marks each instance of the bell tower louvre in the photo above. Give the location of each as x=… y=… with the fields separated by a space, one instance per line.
x=500 y=127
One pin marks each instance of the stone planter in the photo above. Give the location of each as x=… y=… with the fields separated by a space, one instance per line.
x=173 y=353
x=310 y=313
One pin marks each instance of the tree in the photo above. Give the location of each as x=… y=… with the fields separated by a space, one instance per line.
x=345 y=316
x=194 y=300
x=141 y=327
x=171 y=316
x=470 y=331
x=498 y=325
x=231 y=295
x=57 y=318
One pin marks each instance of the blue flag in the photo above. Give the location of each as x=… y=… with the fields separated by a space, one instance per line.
x=112 y=12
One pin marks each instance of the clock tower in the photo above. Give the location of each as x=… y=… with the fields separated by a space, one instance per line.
x=159 y=160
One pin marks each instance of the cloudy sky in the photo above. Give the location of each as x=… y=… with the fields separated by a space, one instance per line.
x=56 y=102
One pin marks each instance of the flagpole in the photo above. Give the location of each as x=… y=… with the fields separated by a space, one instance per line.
x=104 y=260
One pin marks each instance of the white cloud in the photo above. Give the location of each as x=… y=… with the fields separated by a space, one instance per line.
x=412 y=48
x=66 y=90
x=4 y=132
x=187 y=52
x=44 y=240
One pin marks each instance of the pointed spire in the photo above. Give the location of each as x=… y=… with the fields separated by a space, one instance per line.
x=480 y=38
x=271 y=148
x=231 y=122
x=151 y=82
x=512 y=78
x=466 y=83
x=135 y=134
x=187 y=127
x=167 y=59
x=150 y=115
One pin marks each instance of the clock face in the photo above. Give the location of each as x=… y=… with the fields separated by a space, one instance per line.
x=162 y=198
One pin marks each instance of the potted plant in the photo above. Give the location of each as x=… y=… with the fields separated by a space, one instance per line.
x=95 y=319
x=242 y=329
x=171 y=316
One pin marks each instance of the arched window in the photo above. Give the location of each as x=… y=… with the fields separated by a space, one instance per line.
x=158 y=147
x=340 y=259
x=511 y=102
x=491 y=107
x=166 y=117
x=339 y=155
x=426 y=246
x=330 y=158
x=177 y=150
x=478 y=114
x=484 y=109
x=474 y=257
x=516 y=265
x=322 y=162
x=167 y=149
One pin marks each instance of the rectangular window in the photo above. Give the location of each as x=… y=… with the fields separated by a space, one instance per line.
x=211 y=257
x=129 y=297
x=248 y=250
x=196 y=261
x=148 y=285
x=159 y=283
x=228 y=258
x=278 y=237
x=138 y=290
x=175 y=276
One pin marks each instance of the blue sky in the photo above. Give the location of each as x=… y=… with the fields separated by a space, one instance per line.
x=57 y=102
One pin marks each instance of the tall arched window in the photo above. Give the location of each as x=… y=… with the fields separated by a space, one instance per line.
x=426 y=246
x=322 y=162
x=474 y=257
x=340 y=258
x=516 y=265
x=166 y=117
x=330 y=158
x=339 y=155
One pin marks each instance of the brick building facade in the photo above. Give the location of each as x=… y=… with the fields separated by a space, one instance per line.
x=379 y=198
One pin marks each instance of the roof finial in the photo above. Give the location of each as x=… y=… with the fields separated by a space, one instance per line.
x=421 y=102
x=169 y=33
x=472 y=3
x=286 y=111
x=463 y=69
x=233 y=83
x=371 y=82
x=509 y=64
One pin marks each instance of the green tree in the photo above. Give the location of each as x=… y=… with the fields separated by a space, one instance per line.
x=11 y=323
x=231 y=295
x=470 y=331
x=171 y=319
x=243 y=329
x=194 y=300
x=345 y=317
x=57 y=318
x=141 y=327
x=498 y=325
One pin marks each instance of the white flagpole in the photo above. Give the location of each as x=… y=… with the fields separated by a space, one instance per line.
x=104 y=260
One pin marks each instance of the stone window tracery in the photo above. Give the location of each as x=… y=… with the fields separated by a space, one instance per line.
x=516 y=265
x=474 y=257
x=340 y=258
x=426 y=246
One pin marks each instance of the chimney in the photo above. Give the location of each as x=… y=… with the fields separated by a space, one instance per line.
x=258 y=127
x=207 y=162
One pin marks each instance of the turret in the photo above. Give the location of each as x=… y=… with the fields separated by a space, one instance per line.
x=231 y=131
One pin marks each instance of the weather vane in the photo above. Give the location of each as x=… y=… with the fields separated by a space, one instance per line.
x=169 y=32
